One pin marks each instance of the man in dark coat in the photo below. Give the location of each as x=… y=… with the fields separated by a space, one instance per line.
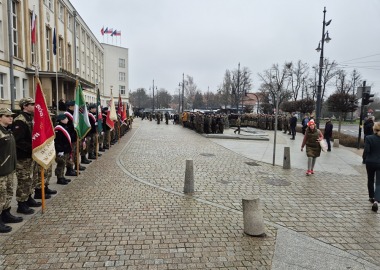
x=293 y=125
x=368 y=130
x=328 y=134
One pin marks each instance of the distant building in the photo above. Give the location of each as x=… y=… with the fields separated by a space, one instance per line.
x=79 y=55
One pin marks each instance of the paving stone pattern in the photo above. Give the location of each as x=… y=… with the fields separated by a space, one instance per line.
x=105 y=219
x=329 y=207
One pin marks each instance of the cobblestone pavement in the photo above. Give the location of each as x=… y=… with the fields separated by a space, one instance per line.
x=328 y=207
x=105 y=219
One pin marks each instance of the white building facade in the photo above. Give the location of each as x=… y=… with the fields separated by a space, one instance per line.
x=116 y=72
x=79 y=55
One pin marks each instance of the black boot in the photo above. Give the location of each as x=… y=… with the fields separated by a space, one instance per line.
x=32 y=203
x=38 y=194
x=49 y=191
x=102 y=149
x=23 y=208
x=99 y=155
x=81 y=168
x=91 y=156
x=4 y=228
x=84 y=160
x=7 y=217
x=71 y=172
x=62 y=181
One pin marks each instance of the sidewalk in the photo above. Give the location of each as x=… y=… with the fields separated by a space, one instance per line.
x=342 y=160
x=128 y=211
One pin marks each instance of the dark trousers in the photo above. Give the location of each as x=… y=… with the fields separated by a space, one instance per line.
x=293 y=130
x=327 y=138
x=372 y=170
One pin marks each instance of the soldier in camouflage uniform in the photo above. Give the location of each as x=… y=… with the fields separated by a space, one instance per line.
x=22 y=130
x=7 y=170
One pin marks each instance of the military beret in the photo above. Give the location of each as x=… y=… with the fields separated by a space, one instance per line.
x=61 y=116
x=70 y=103
x=26 y=101
x=92 y=106
x=6 y=111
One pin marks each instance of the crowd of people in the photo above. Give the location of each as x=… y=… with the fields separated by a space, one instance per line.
x=16 y=155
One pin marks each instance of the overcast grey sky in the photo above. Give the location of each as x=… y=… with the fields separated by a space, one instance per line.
x=203 y=38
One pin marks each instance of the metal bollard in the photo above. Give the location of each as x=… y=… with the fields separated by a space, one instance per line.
x=336 y=143
x=189 y=177
x=286 y=163
x=253 y=217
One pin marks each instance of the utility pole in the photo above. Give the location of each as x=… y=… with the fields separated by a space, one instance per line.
x=183 y=90
x=153 y=97
x=361 y=116
x=238 y=89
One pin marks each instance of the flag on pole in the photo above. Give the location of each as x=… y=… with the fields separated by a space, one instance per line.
x=54 y=43
x=118 y=33
x=119 y=106
x=43 y=151
x=99 y=112
x=102 y=31
x=108 y=31
x=81 y=122
x=124 y=113
x=33 y=28
x=111 y=114
x=113 y=33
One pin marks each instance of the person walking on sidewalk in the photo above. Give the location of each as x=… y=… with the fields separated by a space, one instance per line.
x=372 y=152
x=313 y=148
x=328 y=134
x=8 y=163
x=368 y=130
x=238 y=124
x=293 y=125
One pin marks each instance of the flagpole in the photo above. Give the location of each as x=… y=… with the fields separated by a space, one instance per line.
x=97 y=145
x=43 y=189
x=56 y=72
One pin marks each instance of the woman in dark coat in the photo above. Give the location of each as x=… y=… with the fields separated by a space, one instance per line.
x=372 y=161
x=313 y=149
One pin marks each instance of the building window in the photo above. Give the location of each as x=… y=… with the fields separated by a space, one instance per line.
x=15 y=90
x=121 y=63
x=69 y=57
x=48 y=48
x=60 y=52
x=1 y=35
x=122 y=76
x=49 y=4
x=61 y=12
x=14 y=28
x=122 y=89
x=24 y=87
x=2 y=94
x=69 y=21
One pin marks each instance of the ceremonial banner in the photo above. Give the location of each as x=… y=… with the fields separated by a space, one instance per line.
x=99 y=112
x=43 y=151
x=81 y=121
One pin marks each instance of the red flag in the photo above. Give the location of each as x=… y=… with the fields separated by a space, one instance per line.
x=43 y=151
x=119 y=106
x=33 y=28
x=109 y=121
x=124 y=114
x=102 y=31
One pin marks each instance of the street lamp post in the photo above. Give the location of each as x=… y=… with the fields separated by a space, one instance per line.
x=183 y=90
x=153 y=96
x=325 y=37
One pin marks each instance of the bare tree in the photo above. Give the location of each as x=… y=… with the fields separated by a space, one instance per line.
x=225 y=89
x=343 y=85
x=299 y=73
x=241 y=84
x=329 y=71
x=275 y=82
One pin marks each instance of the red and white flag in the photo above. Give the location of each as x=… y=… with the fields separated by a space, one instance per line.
x=43 y=151
x=33 y=28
